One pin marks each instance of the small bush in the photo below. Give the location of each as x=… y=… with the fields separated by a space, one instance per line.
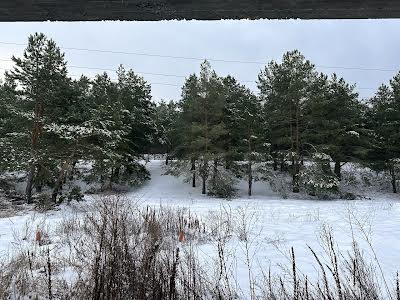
x=279 y=184
x=348 y=196
x=135 y=174
x=318 y=178
x=43 y=202
x=75 y=194
x=222 y=185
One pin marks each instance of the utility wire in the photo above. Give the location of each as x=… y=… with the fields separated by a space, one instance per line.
x=147 y=73
x=115 y=70
x=201 y=59
x=156 y=83
x=114 y=80
x=156 y=74
x=111 y=70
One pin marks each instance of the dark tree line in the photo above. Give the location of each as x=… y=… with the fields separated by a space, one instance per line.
x=217 y=131
x=299 y=115
x=50 y=122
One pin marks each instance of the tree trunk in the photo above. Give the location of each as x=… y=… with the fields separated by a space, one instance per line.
x=39 y=180
x=110 y=183
x=29 y=183
x=394 y=186
x=115 y=174
x=193 y=169
x=204 y=170
x=275 y=164
x=295 y=170
x=71 y=174
x=296 y=147
x=338 y=170
x=215 y=170
x=59 y=182
x=282 y=164
x=250 y=178
x=228 y=163
x=249 y=169
x=166 y=160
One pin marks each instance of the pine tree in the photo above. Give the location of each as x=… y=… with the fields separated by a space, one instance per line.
x=243 y=125
x=210 y=124
x=134 y=94
x=284 y=89
x=74 y=131
x=13 y=140
x=166 y=119
x=41 y=76
x=333 y=121
x=108 y=115
x=383 y=120
x=189 y=106
x=201 y=124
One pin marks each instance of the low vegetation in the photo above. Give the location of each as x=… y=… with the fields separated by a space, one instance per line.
x=118 y=251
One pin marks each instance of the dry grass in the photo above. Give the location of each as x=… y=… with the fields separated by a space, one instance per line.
x=118 y=251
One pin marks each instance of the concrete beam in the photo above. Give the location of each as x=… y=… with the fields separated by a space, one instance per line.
x=150 y=10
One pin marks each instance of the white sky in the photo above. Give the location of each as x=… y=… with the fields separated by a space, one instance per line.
x=339 y=43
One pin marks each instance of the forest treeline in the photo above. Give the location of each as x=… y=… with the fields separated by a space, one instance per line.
x=301 y=122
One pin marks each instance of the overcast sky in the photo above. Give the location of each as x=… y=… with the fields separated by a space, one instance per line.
x=365 y=44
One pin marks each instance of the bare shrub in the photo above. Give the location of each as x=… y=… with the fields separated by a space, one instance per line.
x=342 y=276
x=127 y=253
x=116 y=250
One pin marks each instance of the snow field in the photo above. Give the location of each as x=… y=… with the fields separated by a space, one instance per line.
x=259 y=231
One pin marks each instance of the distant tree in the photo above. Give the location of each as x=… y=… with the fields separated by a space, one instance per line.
x=210 y=124
x=202 y=128
x=166 y=119
x=84 y=130
x=284 y=89
x=14 y=141
x=134 y=94
x=189 y=106
x=243 y=116
x=333 y=121
x=383 y=120
x=41 y=77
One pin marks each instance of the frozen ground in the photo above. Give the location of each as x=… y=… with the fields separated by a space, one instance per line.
x=276 y=224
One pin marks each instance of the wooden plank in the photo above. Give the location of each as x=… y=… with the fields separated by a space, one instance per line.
x=88 y=10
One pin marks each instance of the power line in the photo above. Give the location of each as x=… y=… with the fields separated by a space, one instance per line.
x=201 y=59
x=155 y=83
x=112 y=70
x=115 y=70
x=138 y=72
x=113 y=79
x=146 y=54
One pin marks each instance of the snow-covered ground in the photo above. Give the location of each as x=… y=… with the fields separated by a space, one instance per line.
x=276 y=224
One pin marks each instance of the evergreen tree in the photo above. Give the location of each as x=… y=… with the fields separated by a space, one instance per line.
x=202 y=129
x=189 y=107
x=107 y=117
x=13 y=140
x=243 y=124
x=284 y=90
x=383 y=120
x=166 y=119
x=134 y=95
x=76 y=131
x=41 y=77
x=333 y=123
x=209 y=125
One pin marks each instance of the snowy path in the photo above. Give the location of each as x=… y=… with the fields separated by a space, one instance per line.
x=292 y=222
